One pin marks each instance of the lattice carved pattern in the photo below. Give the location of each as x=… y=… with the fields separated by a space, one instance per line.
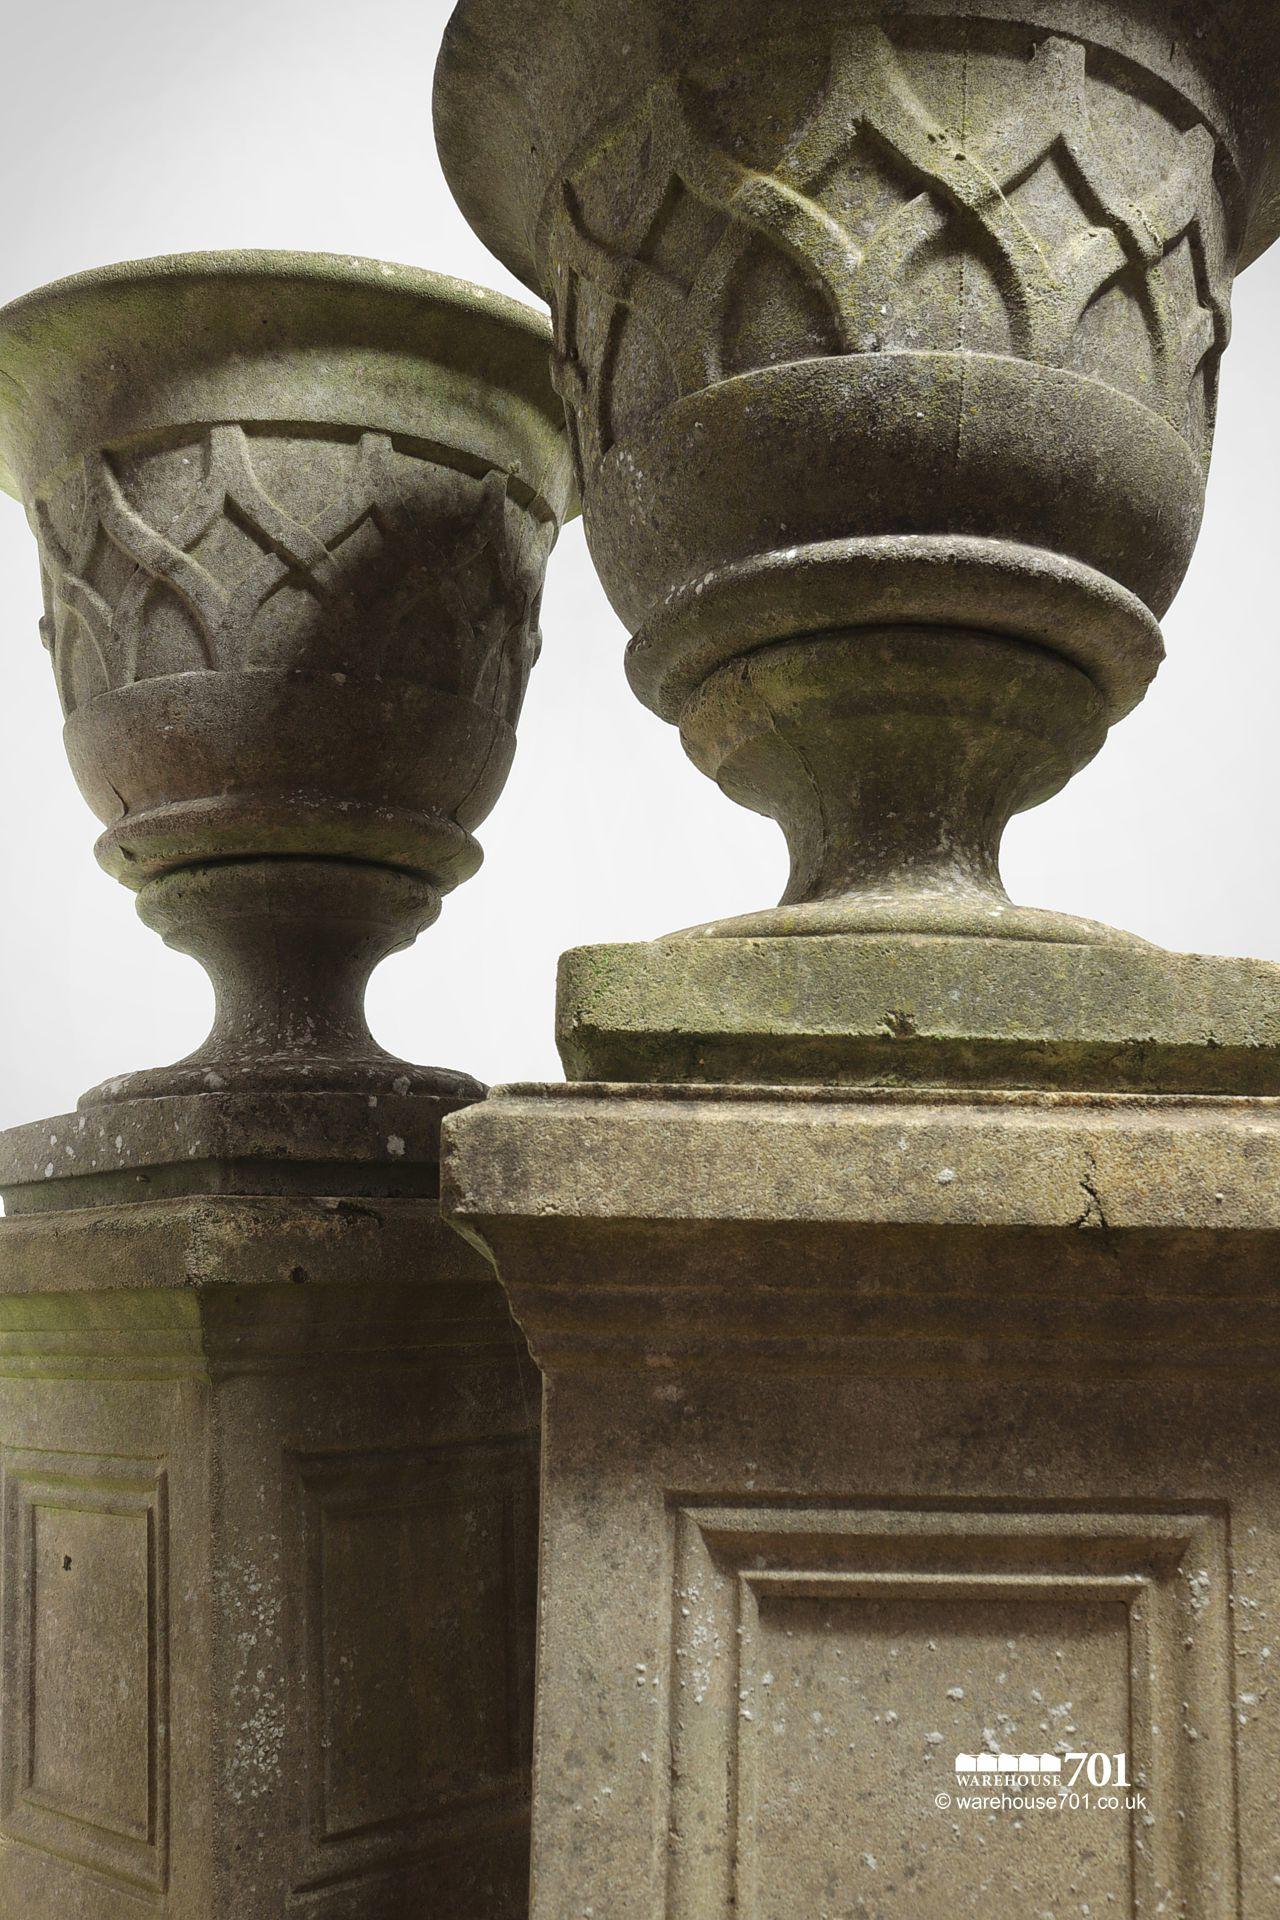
x=345 y=555
x=957 y=190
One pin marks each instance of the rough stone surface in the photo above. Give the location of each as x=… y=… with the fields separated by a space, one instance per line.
x=268 y=1535
x=882 y=1431
x=890 y=339
x=293 y=514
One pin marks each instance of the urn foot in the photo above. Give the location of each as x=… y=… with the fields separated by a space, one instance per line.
x=893 y=759
x=290 y=946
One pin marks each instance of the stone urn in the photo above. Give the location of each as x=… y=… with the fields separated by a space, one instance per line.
x=293 y=515
x=889 y=337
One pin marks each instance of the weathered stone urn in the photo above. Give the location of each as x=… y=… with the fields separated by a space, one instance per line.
x=293 y=514
x=890 y=338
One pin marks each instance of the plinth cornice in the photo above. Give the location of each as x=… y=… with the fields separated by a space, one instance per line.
x=802 y=1231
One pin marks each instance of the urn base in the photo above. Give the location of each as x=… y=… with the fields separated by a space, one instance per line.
x=924 y=1010
x=169 y=1147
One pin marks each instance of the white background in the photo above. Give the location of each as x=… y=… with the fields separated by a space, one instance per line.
x=135 y=127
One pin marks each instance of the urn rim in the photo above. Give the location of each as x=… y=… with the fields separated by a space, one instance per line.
x=375 y=304
x=481 y=105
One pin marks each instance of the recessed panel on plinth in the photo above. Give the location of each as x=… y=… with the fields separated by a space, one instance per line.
x=829 y=1668
x=85 y=1694
x=415 y=1685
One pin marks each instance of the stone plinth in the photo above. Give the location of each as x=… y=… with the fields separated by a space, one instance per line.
x=883 y=1430
x=267 y=1511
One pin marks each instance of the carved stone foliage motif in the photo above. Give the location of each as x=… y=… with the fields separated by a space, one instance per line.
x=234 y=547
x=977 y=187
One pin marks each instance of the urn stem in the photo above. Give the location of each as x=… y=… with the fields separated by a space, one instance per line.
x=893 y=759
x=289 y=945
